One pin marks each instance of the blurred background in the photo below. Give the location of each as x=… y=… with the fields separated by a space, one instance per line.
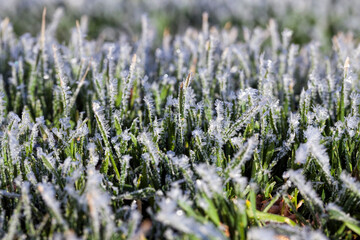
x=309 y=19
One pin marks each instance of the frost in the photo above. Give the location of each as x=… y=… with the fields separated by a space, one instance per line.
x=304 y=187
x=63 y=80
x=278 y=231
x=314 y=147
x=141 y=134
x=302 y=154
x=261 y=233
x=98 y=203
x=321 y=113
x=210 y=183
x=352 y=124
x=350 y=183
x=146 y=139
x=337 y=213
x=48 y=194
x=169 y=215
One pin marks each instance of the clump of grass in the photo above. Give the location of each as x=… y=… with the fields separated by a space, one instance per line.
x=192 y=137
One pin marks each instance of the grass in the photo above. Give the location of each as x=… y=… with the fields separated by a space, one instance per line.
x=204 y=136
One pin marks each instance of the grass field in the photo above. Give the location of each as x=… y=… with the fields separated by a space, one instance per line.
x=163 y=121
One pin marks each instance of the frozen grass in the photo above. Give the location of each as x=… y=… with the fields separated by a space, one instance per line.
x=201 y=137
